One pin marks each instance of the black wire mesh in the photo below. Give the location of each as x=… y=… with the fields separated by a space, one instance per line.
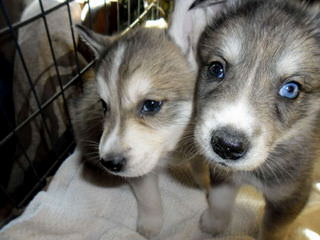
x=15 y=140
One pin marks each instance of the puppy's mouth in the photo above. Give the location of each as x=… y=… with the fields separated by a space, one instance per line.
x=223 y=164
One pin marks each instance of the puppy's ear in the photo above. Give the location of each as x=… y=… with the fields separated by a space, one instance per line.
x=187 y=22
x=94 y=42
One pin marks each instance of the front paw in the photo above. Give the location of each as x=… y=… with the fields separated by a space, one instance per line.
x=213 y=224
x=149 y=226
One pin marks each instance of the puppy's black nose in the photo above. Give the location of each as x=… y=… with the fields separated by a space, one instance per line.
x=114 y=163
x=229 y=144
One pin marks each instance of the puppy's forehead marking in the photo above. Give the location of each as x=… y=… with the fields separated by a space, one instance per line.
x=117 y=60
x=109 y=85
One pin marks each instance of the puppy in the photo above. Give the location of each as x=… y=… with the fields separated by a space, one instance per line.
x=257 y=108
x=132 y=116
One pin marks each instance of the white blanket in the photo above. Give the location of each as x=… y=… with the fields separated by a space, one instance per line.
x=79 y=205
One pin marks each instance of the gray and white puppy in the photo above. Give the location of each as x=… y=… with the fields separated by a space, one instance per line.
x=258 y=108
x=133 y=114
x=131 y=117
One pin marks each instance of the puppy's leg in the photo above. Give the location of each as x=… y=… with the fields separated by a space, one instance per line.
x=279 y=214
x=147 y=193
x=221 y=199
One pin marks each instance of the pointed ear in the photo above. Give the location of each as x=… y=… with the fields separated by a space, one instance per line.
x=94 y=42
x=187 y=22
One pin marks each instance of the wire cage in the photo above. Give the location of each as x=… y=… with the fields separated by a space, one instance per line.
x=42 y=69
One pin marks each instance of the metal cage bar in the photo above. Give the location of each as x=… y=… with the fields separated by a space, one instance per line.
x=42 y=180
x=17 y=46
x=74 y=41
x=16 y=26
x=24 y=152
x=49 y=101
x=55 y=62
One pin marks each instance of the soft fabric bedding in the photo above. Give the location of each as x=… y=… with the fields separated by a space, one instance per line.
x=82 y=204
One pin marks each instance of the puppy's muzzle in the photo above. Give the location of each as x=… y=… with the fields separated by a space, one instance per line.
x=113 y=162
x=229 y=144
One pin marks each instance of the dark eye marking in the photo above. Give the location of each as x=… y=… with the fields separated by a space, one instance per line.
x=150 y=107
x=216 y=71
x=289 y=90
x=104 y=106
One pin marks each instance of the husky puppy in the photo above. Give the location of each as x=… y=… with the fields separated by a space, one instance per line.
x=257 y=108
x=134 y=113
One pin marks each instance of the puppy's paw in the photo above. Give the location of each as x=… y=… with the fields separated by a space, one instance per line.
x=213 y=224
x=149 y=226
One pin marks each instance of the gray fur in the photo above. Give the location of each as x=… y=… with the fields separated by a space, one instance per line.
x=268 y=30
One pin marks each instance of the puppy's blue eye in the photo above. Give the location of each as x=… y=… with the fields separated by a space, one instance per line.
x=290 y=90
x=150 y=107
x=216 y=70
